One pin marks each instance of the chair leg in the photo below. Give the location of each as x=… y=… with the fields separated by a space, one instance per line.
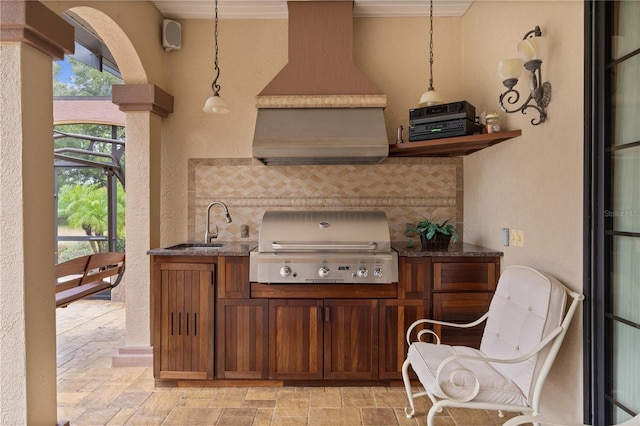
x=431 y=415
x=409 y=412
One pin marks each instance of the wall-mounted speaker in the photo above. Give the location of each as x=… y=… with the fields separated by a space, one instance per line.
x=171 y=35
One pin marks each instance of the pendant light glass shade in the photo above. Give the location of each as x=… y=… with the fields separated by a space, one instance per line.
x=430 y=98
x=215 y=105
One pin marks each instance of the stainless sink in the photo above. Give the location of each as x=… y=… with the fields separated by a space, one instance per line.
x=196 y=246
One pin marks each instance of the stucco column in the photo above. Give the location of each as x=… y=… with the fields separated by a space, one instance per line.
x=30 y=36
x=145 y=105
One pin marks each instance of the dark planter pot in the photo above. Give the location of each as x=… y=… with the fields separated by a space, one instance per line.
x=438 y=242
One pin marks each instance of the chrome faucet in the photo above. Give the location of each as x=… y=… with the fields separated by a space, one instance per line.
x=208 y=235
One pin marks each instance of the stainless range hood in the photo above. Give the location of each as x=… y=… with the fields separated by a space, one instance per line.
x=320 y=136
x=320 y=108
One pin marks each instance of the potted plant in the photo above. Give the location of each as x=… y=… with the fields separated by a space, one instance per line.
x=436 y=236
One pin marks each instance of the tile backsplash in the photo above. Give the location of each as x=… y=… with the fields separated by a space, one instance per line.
x=407 y=189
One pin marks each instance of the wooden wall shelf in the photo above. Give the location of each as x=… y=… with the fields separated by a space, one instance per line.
x=450 y=147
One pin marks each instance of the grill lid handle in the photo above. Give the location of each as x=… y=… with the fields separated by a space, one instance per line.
x=323 y=247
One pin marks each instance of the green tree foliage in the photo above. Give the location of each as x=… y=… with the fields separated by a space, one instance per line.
x=86 y=81
x=85 y=206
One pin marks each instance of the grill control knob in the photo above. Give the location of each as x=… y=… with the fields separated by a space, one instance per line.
x=285 y=271
x=362 y=272
x=323 y=272
x=377 y=272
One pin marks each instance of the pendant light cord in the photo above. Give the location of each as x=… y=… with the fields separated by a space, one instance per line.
x=431 y=46
x=215 y=86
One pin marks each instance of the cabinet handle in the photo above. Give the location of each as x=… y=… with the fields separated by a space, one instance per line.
x=172 y=323
x=179 y=323
x=187 y=323
x=195 y=324
x=327 y=314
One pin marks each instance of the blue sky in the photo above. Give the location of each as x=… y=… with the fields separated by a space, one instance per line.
x=65 y=72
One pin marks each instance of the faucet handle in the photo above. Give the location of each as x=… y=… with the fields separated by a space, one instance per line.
x=209 y=236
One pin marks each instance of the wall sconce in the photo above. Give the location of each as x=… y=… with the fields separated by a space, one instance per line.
x=531 y=50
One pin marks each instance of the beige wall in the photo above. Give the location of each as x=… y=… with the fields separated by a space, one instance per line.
x=533 y=182
x=251 y=53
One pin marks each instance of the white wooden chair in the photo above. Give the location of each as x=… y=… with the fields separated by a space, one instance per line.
x=525 y=325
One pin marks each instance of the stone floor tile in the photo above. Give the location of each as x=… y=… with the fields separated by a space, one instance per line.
x=182 y=416
x=122 y=417
x=334 y=416
x=378 y=417
x=130 y=399
x=98 y=416
x=391 y=399
x=263 y=417
x=262 y=393
x=289 y=421
x=325 y=399
x=259 y=403
x=102 y=398
x=71 y=399
x=402 y=419
x=292 y=404
x=465 y=417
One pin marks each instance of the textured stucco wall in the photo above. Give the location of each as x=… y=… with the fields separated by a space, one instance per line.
x=533 y=182
x=27 y=329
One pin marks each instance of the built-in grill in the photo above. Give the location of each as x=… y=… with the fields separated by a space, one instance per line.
x=324 y=247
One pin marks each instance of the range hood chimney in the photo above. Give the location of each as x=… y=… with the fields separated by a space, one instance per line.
x=320 y=108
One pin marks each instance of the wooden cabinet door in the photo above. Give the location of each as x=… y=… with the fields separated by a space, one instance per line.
x=351 y=339
x=242 y=339
x=295 y=339
x=183 y=343
x=414 y=277
x=460 y=308
x=233 y=277
x=395 y=318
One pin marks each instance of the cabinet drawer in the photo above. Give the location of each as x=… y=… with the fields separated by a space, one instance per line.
x=460 y=308
x=465 y=276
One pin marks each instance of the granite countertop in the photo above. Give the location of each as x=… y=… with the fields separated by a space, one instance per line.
x=455 y=249
x=228 y=248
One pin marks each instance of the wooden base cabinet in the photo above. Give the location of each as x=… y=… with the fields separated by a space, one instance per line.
x=307 y=332
x=242 y=344
x=395 y=318
x=331 y=339
x=462 y=291
x=183 y=320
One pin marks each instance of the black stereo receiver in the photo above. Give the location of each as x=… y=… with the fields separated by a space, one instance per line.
x=443 y=129
x=451 y=111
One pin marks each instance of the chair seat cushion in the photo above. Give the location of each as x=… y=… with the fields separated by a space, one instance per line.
x=494 y=387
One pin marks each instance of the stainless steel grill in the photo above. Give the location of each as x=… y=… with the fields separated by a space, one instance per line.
x=324 y=247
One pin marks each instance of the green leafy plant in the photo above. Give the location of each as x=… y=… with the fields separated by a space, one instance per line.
x=429 y=229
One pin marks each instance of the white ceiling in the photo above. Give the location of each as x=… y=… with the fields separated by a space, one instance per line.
x=270 y=9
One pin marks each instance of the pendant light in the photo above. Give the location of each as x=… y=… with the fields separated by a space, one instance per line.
x=430 y=97
x=215 y=104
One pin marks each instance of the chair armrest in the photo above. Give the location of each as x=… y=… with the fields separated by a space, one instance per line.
x=444 y=323
x=468 y=397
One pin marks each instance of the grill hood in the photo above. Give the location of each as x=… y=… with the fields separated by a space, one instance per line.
x=320 y=108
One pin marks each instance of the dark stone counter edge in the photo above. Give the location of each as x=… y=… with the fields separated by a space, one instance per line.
x=230 y=248
x=235 y=248
x=455 y=249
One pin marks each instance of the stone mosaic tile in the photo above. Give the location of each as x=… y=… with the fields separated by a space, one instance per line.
x=407 y=189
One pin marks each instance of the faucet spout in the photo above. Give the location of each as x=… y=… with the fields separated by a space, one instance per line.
x=208 y=234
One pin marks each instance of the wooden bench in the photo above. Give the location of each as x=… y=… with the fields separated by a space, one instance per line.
x=87 y=275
